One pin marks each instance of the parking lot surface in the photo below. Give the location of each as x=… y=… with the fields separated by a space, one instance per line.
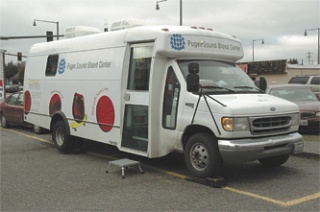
x=36 y=177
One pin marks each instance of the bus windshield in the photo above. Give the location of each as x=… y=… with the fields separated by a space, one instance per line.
x=221 y=77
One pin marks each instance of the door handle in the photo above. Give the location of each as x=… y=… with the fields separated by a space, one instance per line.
x=127 y=97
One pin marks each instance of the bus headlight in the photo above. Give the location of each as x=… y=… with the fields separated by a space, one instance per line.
x=235 y=124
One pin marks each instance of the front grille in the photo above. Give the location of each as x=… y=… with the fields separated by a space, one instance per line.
x=305 y=115
x=261 y=125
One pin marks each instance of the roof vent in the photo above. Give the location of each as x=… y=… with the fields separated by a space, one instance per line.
x=79 y=31
x=127 y=24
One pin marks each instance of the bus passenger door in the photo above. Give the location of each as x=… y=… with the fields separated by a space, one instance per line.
x=135 y=128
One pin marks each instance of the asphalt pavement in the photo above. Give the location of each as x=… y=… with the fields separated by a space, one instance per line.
x=311 y=149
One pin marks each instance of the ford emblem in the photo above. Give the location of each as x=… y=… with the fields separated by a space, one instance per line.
x=273 y=109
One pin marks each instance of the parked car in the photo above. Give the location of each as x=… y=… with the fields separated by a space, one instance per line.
x=11 y=88
x=12 y=112
x=311 y=81
x=307 y=101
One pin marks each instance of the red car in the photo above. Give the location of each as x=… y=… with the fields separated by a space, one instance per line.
x=11 y=112
x=307 y=101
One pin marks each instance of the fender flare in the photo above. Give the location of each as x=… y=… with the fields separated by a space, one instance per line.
x=58 y=116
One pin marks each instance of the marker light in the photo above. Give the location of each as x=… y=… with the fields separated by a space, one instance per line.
x=227 y=123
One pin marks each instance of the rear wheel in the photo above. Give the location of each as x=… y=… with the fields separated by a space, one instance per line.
x=274 y=161
x=4 y=122
x=63 y=141
x=202 y=155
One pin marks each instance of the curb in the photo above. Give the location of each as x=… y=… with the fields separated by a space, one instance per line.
x=308 y=155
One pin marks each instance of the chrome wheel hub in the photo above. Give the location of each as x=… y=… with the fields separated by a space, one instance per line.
x=199 y=156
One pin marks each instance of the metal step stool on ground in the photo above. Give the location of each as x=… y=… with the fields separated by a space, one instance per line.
x=124 y=164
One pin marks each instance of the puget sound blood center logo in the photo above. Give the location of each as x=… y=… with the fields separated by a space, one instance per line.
x=62 y=66
x=177 y=42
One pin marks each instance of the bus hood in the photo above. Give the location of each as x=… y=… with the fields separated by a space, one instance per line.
x=250 y=104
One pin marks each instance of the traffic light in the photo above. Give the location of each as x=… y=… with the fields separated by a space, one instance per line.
x=49 y=36
x=19 y=56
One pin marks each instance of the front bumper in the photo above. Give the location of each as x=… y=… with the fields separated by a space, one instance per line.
x=245 y=150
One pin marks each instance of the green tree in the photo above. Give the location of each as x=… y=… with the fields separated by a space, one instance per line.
x=15 y=72
x=10 y=70
x=293 y=61
x=21 y=67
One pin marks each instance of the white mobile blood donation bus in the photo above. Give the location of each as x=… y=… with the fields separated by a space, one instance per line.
x=152 y=90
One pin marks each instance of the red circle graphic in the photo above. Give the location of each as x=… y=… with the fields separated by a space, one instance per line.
x=55 y=104
x=105 y=113
x=27 y=102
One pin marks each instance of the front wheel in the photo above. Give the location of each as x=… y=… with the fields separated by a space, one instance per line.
x=202 y=155
x=274 y=161
x=63 y=141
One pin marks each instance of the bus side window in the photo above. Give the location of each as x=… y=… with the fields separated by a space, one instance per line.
x=140 y=65
x=171 y=100
x=52 y=65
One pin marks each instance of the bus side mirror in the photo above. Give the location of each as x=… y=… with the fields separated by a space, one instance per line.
x=193 y=83
x=193 y=80
x=193 y=68
x=263 y=83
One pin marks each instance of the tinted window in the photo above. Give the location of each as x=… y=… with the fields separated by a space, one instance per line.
x=315 y=81
x=299 y=80
x=52 y=65
x=171 y=100
x=135 y=127
x=140 y=65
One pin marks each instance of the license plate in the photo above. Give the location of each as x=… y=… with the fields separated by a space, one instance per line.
x=303 y=122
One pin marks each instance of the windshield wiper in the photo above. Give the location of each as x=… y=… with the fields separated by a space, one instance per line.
x=218 y=87
x=249 y=87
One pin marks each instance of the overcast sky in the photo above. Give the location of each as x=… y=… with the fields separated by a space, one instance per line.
x=281 y=23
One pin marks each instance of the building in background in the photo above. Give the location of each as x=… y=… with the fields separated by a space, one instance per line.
x=277 y=71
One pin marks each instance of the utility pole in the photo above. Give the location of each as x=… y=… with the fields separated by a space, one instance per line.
x=309 y=57
x=2 y=76
x=318 y=29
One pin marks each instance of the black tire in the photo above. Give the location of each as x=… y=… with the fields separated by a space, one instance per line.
x=78 y=145
x=274 y=161
x=4 y=122
x=63 y=141
x=202 y=156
